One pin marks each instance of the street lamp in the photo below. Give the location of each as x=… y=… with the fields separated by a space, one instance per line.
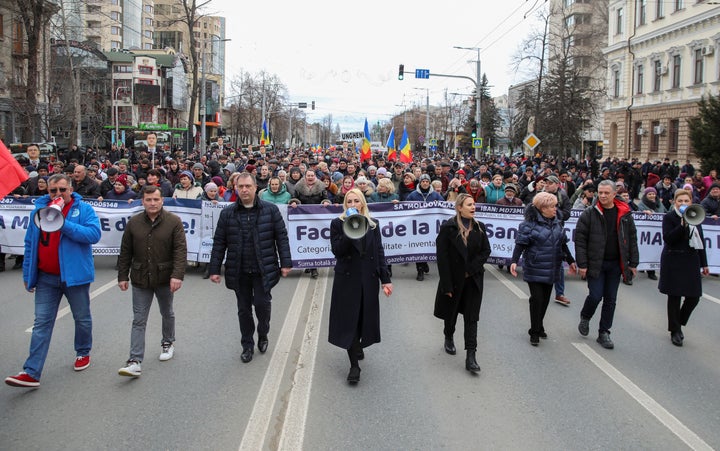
x=427 y=117
x=117 y=118
x=203 y=106
x=477 y=88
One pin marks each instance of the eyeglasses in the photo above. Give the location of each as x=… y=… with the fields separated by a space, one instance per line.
x=55 y=190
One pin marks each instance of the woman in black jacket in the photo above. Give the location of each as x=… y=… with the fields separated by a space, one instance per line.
x=542 y=242
x=360 y=269
x=462 y=249
x=682 y=262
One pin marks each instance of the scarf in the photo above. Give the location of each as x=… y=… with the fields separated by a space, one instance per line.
x=695 y=241
x=650 y=204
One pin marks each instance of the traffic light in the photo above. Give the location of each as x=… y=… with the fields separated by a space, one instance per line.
x=401 y=72
x=313 y=104
x=473 y=134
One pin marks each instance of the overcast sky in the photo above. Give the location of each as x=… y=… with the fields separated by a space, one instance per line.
x=345 y=55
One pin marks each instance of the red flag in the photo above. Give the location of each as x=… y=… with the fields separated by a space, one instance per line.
x=11 y=173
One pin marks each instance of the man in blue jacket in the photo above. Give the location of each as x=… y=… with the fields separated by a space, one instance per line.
x=59 y=263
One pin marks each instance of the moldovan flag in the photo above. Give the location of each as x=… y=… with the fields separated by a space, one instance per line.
x=405 y=155
x=264 y=135
x=365 y=152
x=11 y=173
x=392 y=152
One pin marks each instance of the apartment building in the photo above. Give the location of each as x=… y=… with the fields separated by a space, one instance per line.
x=662 y=59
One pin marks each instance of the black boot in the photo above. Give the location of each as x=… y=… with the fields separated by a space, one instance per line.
x=354 y=374
x=450 y=346
x=206 y=274
x=18 y=262
x=2 y=262
x=470 y=362
x=421 y=275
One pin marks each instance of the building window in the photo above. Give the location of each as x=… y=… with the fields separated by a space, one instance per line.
x=114 y=15
x=115 y=31
x=2 y=27
x=657 y=76
x=637 y=136
x=115 y=45
x=654 y=138
x=145 y=70
x=122 y=68
x=148 y=22
x=619 y=21
x=124 y=115
x=616 y=83
x=673 y=135
x=659 y=9
x=677 y=61
x=642 y=12
x=148 y=9
x=639 y=79
x=145 y=113
x=699 y=65
x=148 y=34
x=144 y=82
x=115 y=2
x=679 y=4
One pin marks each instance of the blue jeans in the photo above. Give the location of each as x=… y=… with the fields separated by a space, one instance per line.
x=560 y=283
x=603 y=288
x=48 y=293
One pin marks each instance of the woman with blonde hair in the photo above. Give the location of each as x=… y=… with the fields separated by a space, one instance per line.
x=462 y=248
x=360 y=272
x=542 y=242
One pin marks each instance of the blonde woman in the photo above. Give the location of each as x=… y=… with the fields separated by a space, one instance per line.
x=360 y=271
x=462 y=248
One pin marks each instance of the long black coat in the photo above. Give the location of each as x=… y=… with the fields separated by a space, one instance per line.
x=679 y=263
x=454 y=261
x=359 y=270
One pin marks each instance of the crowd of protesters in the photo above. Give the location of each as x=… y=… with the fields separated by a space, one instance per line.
x=299 y=176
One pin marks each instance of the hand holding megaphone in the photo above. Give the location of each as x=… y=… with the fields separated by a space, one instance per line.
x=692 y=214
x=356 y=225
x=50 y=218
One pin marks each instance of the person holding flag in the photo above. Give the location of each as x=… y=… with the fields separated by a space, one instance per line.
x=405 y=154
x=391 y=151
x=264 y=135
x=365 y=151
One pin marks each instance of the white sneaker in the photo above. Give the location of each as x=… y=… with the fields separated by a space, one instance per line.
x=168 y=351
x=131 y=370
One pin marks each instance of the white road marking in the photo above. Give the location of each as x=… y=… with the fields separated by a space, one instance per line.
x=510 y=286
x=673 y=424
x=259 y=422
x=711 y=298
x=293 y=431
x=93 y=294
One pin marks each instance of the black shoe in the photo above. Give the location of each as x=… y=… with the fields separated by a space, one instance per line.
x=450 y=346
x=206 y=273
x=470 y=362
x=421 y=275
x=354 y=375
x=18 y=262
x=543 y=335
x=262 y=344
x=246 y=355
x=652 y=275
x=605 y=341
x=534 y=340
x=426 y=268
x=676 y=338
x=584 y=327
x=314 y=273
x=361 y=354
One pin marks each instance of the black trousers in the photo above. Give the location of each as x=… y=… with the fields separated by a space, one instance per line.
x=679 y=315
x=539 y=300
x=470 y=327
x=249 y=293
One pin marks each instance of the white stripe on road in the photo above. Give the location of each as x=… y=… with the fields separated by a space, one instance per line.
x=510 y=286
x=65 y=310
x=652 y=406
x=293 y=431
x=259 y=421
x=710 y=298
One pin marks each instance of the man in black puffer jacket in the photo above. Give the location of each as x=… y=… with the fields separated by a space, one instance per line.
x=253 y=234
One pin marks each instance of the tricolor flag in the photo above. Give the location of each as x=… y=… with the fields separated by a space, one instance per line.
x=264 y=135
x=392 y=152
x=405 y=155
x=11 y=173
x=365 y=152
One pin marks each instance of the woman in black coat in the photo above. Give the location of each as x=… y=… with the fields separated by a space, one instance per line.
x=542 y=242
x=682 y=262
x=359 y=270
x=462 y=249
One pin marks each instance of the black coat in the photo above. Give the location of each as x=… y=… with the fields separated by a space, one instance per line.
x=359 y=270
x=455 y=259
x=680 y=264
x=269 y=236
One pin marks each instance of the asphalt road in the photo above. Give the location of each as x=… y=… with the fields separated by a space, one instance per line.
x=568 y=393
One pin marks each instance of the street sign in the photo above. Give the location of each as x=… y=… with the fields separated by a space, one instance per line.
x=433 y=141
x=422 y=73
x=302 y=105
x=531 y=141
x=477 y=143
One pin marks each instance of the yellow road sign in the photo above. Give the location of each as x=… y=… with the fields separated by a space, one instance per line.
x=531 y=141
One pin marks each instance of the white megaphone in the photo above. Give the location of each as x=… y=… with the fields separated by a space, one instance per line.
x=356 y=225
x=50 y=218
x=693 y=214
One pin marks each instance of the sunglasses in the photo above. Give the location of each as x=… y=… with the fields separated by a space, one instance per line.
x=55 y=190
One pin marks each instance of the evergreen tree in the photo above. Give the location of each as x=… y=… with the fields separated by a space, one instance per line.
x=705 y=133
